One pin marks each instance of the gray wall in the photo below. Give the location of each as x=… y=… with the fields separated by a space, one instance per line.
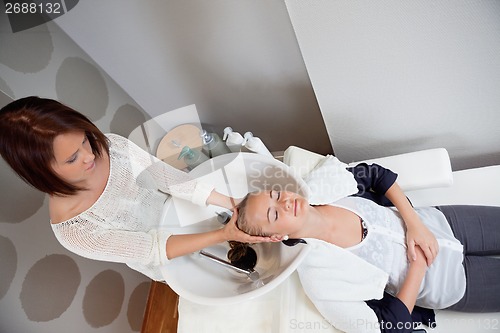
x=238 y=61
x=396 y=76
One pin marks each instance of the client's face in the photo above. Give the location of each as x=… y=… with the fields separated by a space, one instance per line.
x=277 y=212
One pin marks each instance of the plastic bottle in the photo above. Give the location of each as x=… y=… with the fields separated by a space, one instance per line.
x=213 y=144
x=256 y=145
x=192 y=157
x=234 y=140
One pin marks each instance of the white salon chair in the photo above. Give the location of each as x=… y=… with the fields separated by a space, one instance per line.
x=427 y=179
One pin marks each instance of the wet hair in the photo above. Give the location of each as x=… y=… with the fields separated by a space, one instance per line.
x=28 y=127
x=242 y=222
x=241 y=254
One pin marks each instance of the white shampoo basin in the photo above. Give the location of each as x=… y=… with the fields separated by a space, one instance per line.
x=200 y=280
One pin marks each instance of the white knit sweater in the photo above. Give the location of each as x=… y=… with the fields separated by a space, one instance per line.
x=123 y=224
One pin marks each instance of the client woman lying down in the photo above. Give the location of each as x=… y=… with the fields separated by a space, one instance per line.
x=374 y=267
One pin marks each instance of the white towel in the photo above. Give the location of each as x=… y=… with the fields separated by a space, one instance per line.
x=331 y=272
x=330 y=181
x=337 y=282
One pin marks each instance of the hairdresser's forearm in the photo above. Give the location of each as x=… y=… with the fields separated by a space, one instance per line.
x=221 y=200
x=179 y=245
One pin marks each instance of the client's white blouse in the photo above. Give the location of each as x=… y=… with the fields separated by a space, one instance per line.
x=123 y=225
x=385 y=248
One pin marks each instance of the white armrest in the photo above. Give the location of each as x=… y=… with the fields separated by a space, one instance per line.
x=417 y=170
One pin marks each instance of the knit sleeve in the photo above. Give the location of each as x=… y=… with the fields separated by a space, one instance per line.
x=87 y=238
x=151 y=172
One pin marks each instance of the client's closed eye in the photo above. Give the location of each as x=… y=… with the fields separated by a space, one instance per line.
x=272 y=213
x=277 y=195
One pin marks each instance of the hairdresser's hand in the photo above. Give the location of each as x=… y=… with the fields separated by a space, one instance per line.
x=418 y=234
x=232 y=233
x=278 y=238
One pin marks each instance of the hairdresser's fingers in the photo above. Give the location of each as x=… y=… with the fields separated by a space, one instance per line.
x=234 y=217
x=257 y=239
x=231 y=230
x=276 y=238
x=232 y=233
x=243 y=237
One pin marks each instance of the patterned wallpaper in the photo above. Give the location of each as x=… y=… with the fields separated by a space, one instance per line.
x=43 y=287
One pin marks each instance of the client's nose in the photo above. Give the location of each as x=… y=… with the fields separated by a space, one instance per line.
x=287 y=203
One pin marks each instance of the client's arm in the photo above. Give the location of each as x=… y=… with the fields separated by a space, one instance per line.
x=416 y=232
x=395 y=313
x=411 y=286
x=378 y=184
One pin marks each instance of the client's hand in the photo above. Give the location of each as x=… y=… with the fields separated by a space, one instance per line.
x=232 y=233
x=418 y=234
x=421 y=260
x=408 y=291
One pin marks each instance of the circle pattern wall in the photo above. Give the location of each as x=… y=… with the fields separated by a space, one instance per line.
x=44 y=61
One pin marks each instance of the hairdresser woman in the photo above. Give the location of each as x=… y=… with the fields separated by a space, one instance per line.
x=105 y=193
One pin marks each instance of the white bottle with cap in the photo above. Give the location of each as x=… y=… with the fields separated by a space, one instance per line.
x=234 y=140
x=256 y=145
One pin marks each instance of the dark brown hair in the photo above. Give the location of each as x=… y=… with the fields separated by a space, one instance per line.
x=28 y=127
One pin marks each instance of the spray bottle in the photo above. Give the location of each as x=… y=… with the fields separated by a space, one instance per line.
x=255 y=144
x=234 y=140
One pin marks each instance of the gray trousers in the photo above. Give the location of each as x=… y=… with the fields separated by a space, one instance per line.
x=478 y=229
